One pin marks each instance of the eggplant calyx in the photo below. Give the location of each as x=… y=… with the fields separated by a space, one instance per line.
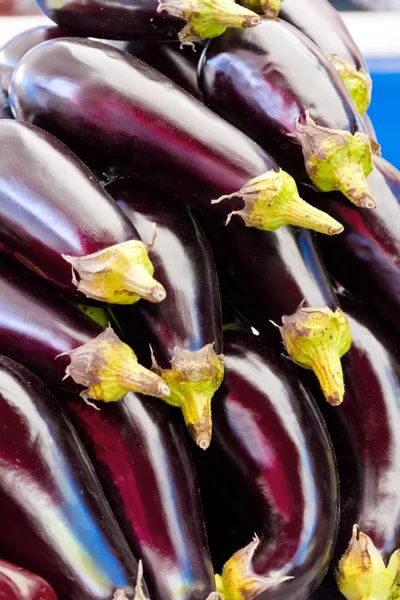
x=119 y=274
x=362 y=572
x=208 y=18
x=316 y=339
x=338 y=160
x=357 y=82
x=238 y=581
x=272 y=200
x=193 y=379
x=109 y=369
x=269 y=8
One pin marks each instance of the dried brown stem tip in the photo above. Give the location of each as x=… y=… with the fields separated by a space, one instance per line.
x=362 y=574
x=357 y=82
x=139 y=593
x=238 y=581
x=120 y=274
x=272 y=200
x=316 y=339
x=269 y=8
x=208 y=18
x=109 y=369
x=338 y=160
x=193 y=379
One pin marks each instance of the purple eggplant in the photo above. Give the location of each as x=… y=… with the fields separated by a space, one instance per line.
x=123 y=116
x=19 y=584
x=139 y=453
x=54 y=517
x=56 y=218
x=44 y=332
x=277 y=86
x=366 y=261
x=270 y=469
x=5 y=110
x=12 y=52
x=148 y=20
x=186 y=333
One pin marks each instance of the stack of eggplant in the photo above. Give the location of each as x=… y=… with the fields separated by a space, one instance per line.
x=199 y=308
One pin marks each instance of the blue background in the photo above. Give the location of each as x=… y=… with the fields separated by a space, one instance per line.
x=385 y=106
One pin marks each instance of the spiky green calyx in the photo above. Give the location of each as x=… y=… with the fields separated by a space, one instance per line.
x=119 y=274
x=357 y=82
x=208 y=18
x=272 y=200
x=362 y=574
x=238 y=581
x=109 y=369
x=97 y=314
x=269 y=8
x=193 y=379
x=316 y=339
x=338 y=160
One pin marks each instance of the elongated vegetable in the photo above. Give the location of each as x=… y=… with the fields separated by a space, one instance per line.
x=186 y=333
x=19 y=584
x=12 y=52
x=55 y=216
x=51 y=337
x=280 y=278
x=139 y=453
x=277 y=87
x=270 y=470
x=366 y=261
x=5 y=111
x=54 y=518
x=149 y=20
x=118 y=113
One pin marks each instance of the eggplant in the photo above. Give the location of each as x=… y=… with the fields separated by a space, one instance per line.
x=148 y=20
x=128 y=119
x=5 y=110
x=45 y=333
x=54 y=517
x=366 y=261
x=55 y=215
x=12 y=52
x=18 y=584
x=270 y=469
x=186 y=333
x=178 y=63
x=274 y=84
x=324 y=26
x=138 y=450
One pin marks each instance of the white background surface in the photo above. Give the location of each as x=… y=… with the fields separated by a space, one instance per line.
x=376 y=33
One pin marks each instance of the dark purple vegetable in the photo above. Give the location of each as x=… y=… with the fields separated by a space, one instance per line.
x=12 y=52
x=275 y=85
x=39 y=329
x=270 y=470
x=366 y=260
x=324 y=26
x=138 y=450
x=122 y=115
x=54 y=517
x=19 y=584
x=5 y=110
x=148 y=20
x=54 y=215
x=186 y=332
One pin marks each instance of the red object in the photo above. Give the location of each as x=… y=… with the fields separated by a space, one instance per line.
x=18 y=584
x=18 y=7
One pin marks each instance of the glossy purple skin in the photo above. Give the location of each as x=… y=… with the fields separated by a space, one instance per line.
x=113 y=19
x=54 y=518
x=324 y=26
x=267 y=275
x=12 y=52
x=138 y=450
x=262 y=80
x=365 y=257
x=178 y=63
x=37 y=324
x=190 y=315
x=269 y=469
x=51 y=204
x=115 y=111
x=19 y=584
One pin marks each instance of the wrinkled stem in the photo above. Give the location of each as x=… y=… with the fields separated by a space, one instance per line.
x=352 y=183
x=302 y=214
x=357 y=82
x=328 y=369
x=270 y=8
